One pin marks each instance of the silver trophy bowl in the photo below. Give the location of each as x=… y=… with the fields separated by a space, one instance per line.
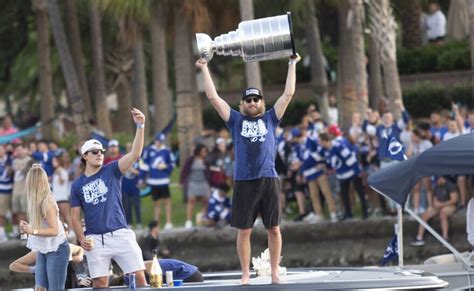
x=253 y=40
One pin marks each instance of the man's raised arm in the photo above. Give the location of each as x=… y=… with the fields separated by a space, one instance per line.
x=216 y=101
x=284 y=100
x=137 y=147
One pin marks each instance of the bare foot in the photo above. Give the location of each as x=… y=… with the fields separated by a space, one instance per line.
x=277 y=280
x=245 y=279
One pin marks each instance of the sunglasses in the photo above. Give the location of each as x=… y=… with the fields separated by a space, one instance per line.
x=96 y=152
x=254 y=99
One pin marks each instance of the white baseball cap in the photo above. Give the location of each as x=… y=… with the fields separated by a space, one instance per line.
x=113 y=143
x=91 y=144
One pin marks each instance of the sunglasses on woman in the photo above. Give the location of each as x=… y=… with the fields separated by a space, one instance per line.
x=96 y=152
x=254 y=99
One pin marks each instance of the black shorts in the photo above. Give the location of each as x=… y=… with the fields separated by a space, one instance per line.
x=160 y=192
x=253 y=197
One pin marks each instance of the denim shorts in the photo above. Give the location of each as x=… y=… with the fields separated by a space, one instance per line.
x=51 y=268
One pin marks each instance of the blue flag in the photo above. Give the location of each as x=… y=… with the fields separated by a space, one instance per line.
x=103 y=140
x=391 y=252
x=393 y=149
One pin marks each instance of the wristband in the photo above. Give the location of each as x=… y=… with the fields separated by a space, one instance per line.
x=291 y=62
x=31 y=269
x=140 y=125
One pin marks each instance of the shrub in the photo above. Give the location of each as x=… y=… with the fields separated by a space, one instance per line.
x=454 y=55
x=422 y=100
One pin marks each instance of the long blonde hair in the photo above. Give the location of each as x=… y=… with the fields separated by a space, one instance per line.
x=38 y=195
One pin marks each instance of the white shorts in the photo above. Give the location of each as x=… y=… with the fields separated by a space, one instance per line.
x=120 y=245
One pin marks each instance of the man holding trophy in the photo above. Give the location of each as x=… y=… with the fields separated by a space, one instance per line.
x=256 y=189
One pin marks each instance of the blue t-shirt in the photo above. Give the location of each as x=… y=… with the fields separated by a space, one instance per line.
x=181 y=270
x=130 y=182
x=254 y=144
x=46 y=161
x=100 y=197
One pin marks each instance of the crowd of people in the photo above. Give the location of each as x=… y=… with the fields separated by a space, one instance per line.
x=319 y=168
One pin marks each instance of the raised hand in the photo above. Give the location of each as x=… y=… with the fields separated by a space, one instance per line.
x=138 y=116
x=201 y=63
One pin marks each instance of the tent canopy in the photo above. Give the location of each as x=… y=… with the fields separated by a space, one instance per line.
x=452 y=157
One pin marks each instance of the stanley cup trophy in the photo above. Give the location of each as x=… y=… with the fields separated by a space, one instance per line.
x=254 y=40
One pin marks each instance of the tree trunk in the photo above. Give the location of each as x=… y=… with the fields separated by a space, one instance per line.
x=375 y=75
x=123 y=67
x=252 y=69
x=352 y=88
x=184 y=91
x=67 y=65
x=162 y=98
x=74 y=37
x=99 y=93
x=392 y=84
x=359 y=58
x=124 y=93
x=411 y=30
x=471 y=33
x=140 y=98
x=45 y=74
x=319 y=81
x=387 y=49
x=197 y=99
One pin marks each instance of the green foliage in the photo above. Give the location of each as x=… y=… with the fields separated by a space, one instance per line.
x=422 y=100
x=454 y=55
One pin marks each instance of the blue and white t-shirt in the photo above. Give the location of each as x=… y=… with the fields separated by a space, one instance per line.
x=6 y=177
x=255 y=144
x=100 y=197
x=343 y=158
x=46 y=161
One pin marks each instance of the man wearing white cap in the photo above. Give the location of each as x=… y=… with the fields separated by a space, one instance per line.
x=98 y=193
x=113 y=152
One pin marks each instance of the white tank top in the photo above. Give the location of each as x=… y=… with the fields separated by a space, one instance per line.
x=46 y=244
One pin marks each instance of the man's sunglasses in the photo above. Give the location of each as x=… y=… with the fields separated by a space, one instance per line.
x=96 y=152
x=250 y=99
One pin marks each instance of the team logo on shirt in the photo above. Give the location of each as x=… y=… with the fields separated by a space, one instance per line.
x=395 y=147
x=95 y=191
x=254 y=130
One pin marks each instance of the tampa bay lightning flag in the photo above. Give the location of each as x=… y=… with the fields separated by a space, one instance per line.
x=393 y=149
x=391 y=252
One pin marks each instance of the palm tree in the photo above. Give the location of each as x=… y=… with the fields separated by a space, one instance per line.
x=99 y=92
x=130 y=17
x=383 y=27
x=45 y=75
x=185 y=97
x=471 y=9
x=352 y=81
x=73 y=34
x=319 y=81
x=252 y=69
x=162 y=98
x=411 y=29
x=471 y=18
x=375 y=75
x=359 y=57
x=67 y=65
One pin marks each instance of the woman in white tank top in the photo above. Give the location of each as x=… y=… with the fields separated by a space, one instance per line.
x=45 y=232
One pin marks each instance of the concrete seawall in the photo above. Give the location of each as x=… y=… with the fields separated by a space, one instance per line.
x=347 y=243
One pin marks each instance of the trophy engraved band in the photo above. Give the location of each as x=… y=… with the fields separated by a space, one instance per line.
x=253 y=40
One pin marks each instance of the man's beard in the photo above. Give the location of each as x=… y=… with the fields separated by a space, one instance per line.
x=255 y=112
